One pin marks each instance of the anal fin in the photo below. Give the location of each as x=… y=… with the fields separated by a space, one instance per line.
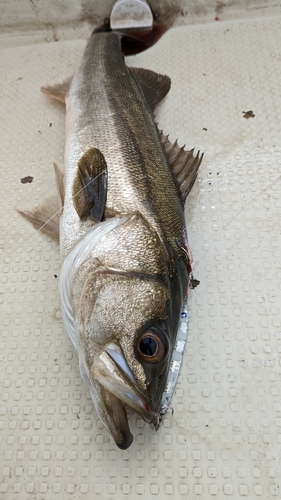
x=60 y=183
x=184 y=164
x=90 y=185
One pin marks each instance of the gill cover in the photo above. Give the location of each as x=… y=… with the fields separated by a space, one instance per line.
x=71 y=264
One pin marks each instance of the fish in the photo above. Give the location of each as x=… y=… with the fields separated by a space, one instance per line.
x=119 y=217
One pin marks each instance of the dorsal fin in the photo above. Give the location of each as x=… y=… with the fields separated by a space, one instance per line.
x=153 y=85
x=59 y=90
x=184 y=164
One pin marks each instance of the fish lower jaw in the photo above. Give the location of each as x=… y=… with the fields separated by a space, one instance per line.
x=131 y=399
x=110 y=405
x=118 y=379
x=113 y=387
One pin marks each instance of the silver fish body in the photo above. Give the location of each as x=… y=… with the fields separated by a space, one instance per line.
x=123 y=242
x=106 y=109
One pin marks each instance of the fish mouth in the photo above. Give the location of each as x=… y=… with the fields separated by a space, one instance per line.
x=117 y=388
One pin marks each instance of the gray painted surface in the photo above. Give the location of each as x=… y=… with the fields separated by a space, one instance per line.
x=53 y=20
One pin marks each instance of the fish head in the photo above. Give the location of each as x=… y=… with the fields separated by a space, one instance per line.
x=127 y=350
x=125 y=324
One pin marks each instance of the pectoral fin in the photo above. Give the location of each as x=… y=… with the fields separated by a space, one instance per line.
x=59 y=90
x=184 y=165
x=90 y=185
x=153 y=85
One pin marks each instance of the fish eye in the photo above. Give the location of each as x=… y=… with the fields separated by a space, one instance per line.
x=150 y=347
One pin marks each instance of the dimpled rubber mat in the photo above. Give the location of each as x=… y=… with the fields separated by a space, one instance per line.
x=221 y=438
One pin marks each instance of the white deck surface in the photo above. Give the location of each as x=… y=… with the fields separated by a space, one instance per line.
x=223 y=438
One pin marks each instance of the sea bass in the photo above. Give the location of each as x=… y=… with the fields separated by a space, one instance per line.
x=125 y=257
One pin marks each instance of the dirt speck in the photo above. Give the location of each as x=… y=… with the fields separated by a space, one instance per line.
x=193 y=282
x=248 y=114
x=28 y=179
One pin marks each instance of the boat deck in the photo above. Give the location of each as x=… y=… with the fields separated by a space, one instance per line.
x=221 y=437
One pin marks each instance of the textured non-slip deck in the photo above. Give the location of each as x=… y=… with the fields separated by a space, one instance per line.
x=222 y=436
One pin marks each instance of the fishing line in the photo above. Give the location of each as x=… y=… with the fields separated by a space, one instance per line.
x=76 y=194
